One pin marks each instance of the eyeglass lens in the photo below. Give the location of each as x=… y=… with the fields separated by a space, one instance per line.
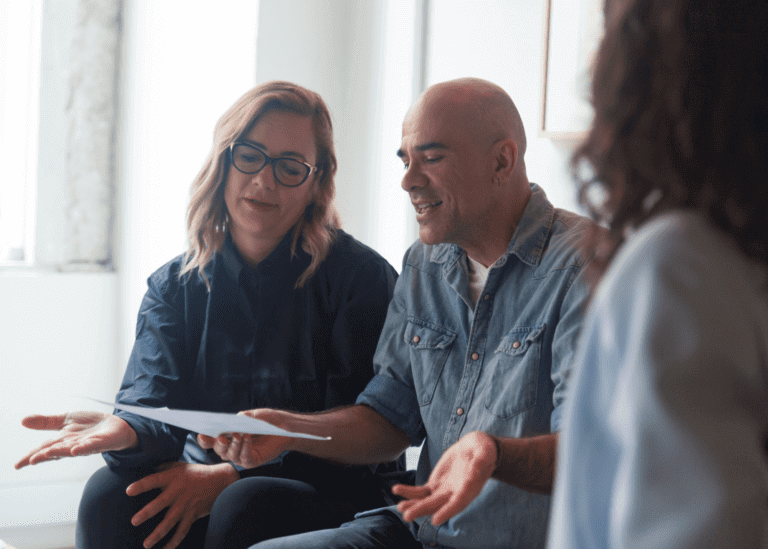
x=287 y=171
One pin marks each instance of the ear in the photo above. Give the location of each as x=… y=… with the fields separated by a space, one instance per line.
x=504 y=158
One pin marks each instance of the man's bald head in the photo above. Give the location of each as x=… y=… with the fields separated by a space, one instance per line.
x=462 y=148
x=480 y=108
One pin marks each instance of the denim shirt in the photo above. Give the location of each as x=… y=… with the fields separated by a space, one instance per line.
x=253 y=341
x=445 y=368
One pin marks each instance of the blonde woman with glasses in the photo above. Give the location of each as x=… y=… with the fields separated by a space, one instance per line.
x=271 y=305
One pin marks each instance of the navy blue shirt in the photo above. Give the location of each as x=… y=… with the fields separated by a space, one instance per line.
x=253 y=341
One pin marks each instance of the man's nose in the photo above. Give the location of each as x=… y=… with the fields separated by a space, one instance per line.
x=412 y=179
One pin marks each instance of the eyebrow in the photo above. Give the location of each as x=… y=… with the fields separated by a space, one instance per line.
x=280 y=155
x=425 y=147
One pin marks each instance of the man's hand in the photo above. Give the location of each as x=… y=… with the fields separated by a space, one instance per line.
x=187 y=490
x=80 y=434
x=248 y=450
x=455 y=482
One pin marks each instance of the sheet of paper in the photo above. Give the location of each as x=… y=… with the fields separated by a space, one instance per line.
x=209 y=423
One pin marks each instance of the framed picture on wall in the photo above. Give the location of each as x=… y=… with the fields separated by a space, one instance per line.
x=572 y=32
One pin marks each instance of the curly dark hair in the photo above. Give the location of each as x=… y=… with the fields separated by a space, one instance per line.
x=680 y=93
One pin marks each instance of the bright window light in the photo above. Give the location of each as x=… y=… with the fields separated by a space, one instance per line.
x=19 y=84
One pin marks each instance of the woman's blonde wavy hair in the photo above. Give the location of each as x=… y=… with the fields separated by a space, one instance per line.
x=207 y=217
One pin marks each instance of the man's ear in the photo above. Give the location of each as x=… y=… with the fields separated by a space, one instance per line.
x=505 y=158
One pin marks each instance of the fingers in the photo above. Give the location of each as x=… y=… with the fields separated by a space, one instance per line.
x=150 y=482
x=235 y=447
x=414 y=508
x=228 y=447
x=410 y=492
x=152 y=508
x=205 y=441
x=44 y=423
x=166 y=525
x=86 y=448
x=246 y=453
x=49 y=450
x=182 y=530
x=452 y=508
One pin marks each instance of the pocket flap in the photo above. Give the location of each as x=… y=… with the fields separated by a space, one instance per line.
x=517 y=341
x=420 y=334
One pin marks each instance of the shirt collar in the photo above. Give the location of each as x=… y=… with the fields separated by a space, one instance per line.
x=529 y=238
x=234 y=262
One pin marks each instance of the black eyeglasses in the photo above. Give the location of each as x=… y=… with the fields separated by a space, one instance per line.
x=287 y=171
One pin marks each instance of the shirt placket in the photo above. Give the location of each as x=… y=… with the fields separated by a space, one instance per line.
x=474 y=354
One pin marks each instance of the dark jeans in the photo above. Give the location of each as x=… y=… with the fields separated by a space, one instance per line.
x=380 y=531
x=104 y=516
x=247 y=512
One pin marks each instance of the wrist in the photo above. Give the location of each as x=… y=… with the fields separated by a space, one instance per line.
x=228 y=472
x=497 y=445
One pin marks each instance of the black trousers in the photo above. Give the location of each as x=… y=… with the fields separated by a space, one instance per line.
x=249 y=511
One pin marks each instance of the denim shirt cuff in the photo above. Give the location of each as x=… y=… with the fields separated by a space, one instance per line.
x=396 y=402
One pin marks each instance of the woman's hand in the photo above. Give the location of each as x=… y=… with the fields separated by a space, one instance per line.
x=80 y=434
x=248 y=450
x=187 y=490
x=455 y=482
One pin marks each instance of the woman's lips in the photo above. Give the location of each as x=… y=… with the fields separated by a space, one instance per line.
x=258 y=204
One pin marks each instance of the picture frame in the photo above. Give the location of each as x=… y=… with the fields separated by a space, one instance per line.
x=571 y=35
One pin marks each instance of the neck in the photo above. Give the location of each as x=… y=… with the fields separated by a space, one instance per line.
x=494 y=238
x=254 y=250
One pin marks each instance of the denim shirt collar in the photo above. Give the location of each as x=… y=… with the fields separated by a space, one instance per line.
x=527 y=242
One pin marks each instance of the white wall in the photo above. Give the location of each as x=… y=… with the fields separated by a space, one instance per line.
x=58 y=344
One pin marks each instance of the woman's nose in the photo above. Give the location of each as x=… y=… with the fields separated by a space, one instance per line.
x=265 y=178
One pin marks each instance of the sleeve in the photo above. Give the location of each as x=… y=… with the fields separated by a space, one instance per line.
x=356 y=329
x=154 y=375
x=392 y=392
x=566 y=338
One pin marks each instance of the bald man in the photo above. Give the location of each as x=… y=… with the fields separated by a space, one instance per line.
x=476 y=349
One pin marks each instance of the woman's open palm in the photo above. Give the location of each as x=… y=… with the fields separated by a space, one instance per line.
x=79 y=434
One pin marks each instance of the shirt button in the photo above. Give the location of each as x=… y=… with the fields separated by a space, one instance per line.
x=475 y=356
x=516 y=344
x=416 y=339
x=460 y=412
x=487 y=296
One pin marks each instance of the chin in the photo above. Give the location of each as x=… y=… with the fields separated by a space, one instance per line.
x=428 y=238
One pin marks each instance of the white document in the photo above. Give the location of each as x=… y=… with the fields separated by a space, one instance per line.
x=212 y=424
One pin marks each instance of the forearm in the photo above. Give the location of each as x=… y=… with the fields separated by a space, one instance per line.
x=359 y=435
x=527 y=463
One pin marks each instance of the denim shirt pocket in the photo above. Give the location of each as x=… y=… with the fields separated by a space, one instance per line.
x=514 y=381
x=429 y=346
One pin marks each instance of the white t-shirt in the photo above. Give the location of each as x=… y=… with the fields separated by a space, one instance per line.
x=663 y=438
x=478 y=274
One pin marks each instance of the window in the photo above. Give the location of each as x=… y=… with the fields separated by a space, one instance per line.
x=19 y=84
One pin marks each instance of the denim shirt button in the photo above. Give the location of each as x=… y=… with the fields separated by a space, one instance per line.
x=487 y=297
x=516 y=344
x=416 y=339
x=460 y=412
x=475 y=356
